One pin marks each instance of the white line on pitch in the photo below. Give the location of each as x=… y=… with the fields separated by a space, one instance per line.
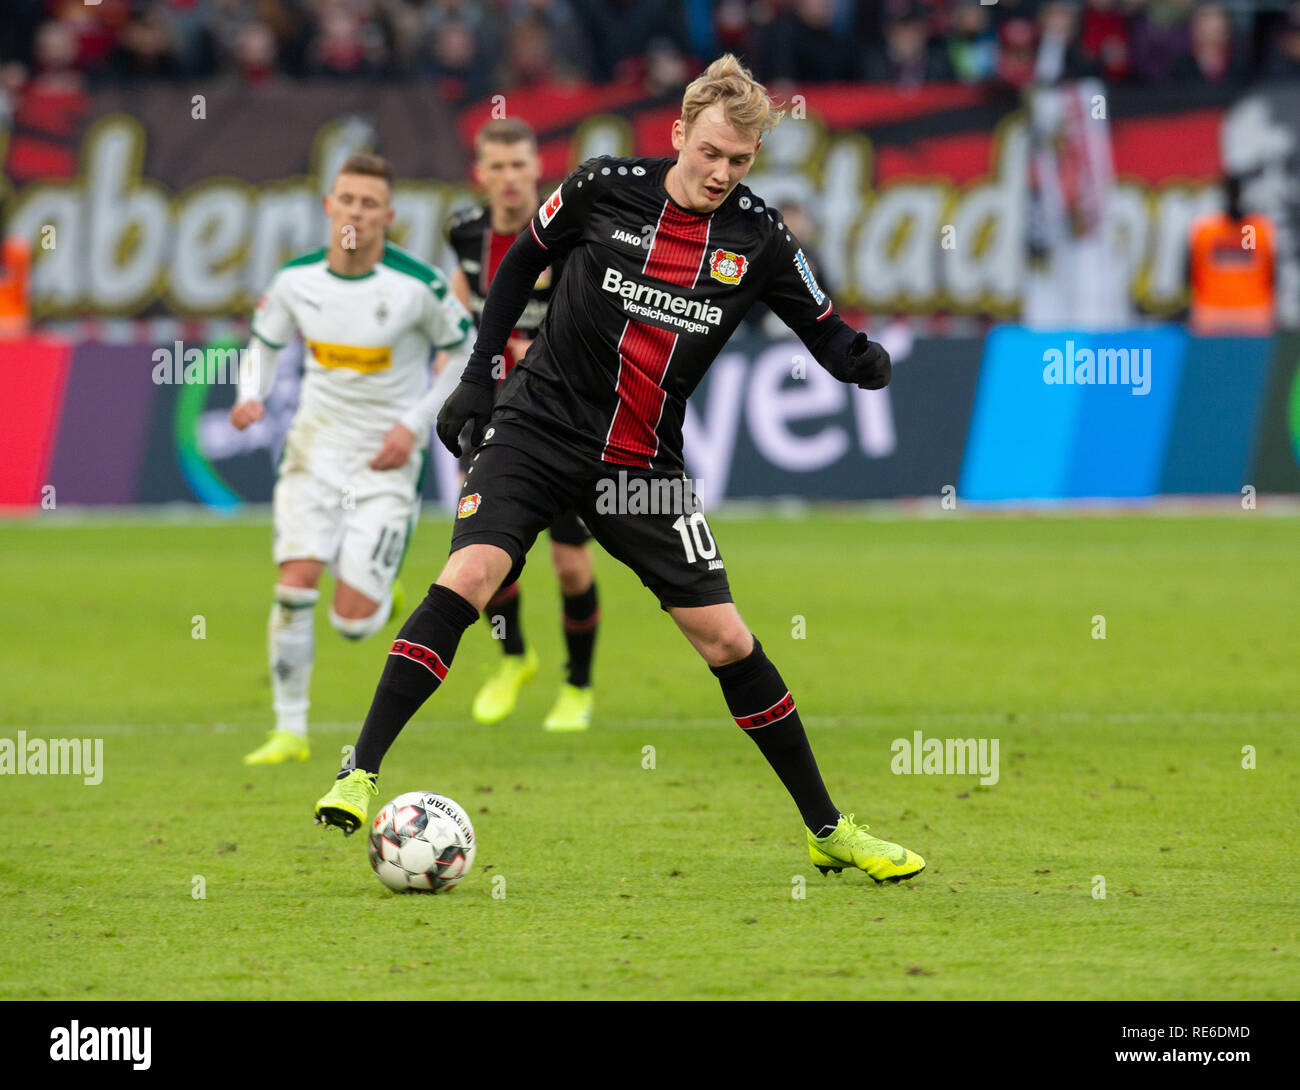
x=1019 y=719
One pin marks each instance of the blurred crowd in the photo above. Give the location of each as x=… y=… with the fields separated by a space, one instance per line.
x=471 y=48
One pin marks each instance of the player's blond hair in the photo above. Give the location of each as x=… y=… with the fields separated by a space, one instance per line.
x=745 y=102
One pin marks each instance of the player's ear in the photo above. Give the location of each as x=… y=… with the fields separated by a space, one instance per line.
x=679 y=135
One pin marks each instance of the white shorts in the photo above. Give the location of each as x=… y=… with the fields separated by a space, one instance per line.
x=334 y=508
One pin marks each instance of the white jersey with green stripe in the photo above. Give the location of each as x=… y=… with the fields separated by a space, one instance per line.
x=368 y=342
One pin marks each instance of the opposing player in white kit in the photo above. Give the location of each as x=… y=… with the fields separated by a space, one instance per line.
x=348 y=492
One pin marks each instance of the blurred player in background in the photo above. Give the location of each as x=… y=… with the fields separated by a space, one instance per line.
x=636 y=320
x=347 y=494
x=507 y=168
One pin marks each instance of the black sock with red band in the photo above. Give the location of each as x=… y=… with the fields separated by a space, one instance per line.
x=764 y=709
x=418 y=660
x=581 y=618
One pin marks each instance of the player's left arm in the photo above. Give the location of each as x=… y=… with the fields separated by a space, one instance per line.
x=798 y=300
x=448 y=326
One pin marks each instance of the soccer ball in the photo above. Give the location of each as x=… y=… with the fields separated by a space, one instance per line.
x=421 y=842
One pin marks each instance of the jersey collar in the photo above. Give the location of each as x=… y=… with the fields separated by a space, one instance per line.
x=664 y=167
x=344 y=276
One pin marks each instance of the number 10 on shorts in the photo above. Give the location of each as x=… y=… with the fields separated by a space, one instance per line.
x=696 y=527
x=388 y=549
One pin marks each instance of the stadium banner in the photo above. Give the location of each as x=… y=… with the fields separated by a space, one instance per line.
x=769 y=422
x=1018 y=416
x=170 y=200
x=1276 y=464
x=766 y=422
x=33 y=377
x=1260 y=142
x=1132 y=414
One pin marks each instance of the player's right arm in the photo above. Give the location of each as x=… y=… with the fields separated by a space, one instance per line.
x=272 y=328
x=556 y=227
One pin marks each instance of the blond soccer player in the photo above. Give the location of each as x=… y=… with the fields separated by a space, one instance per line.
x=636 y=320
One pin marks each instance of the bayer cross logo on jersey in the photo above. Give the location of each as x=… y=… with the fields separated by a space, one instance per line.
x=727 y=267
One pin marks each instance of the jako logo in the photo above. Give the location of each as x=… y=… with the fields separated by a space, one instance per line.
x=1105 y=367
x=102 y=1043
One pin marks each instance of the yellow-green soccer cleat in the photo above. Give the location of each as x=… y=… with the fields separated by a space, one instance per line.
x=850 y=846
x=572 y=709
x=346 y=803
x=497 y=698
x=280 y=746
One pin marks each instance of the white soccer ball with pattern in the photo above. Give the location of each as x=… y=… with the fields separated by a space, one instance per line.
x=421 y=842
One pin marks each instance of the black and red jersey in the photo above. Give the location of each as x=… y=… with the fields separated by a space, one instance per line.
x=479 y=251
x=649 y=294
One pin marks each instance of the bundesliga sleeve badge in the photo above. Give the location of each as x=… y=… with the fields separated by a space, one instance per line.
x=551 y=206
x=468 y=506
x=727 y=267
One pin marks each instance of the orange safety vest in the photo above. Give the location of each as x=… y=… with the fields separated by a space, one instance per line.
x=1232 y=280
x=14 y=312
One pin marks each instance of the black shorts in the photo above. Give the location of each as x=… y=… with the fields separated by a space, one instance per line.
x=519 y=481
x=567 y=528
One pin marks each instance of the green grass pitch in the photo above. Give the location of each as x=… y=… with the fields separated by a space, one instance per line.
x=1119 y=757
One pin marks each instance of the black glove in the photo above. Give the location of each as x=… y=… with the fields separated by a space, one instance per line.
x=866 y=365
x=469 y=403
